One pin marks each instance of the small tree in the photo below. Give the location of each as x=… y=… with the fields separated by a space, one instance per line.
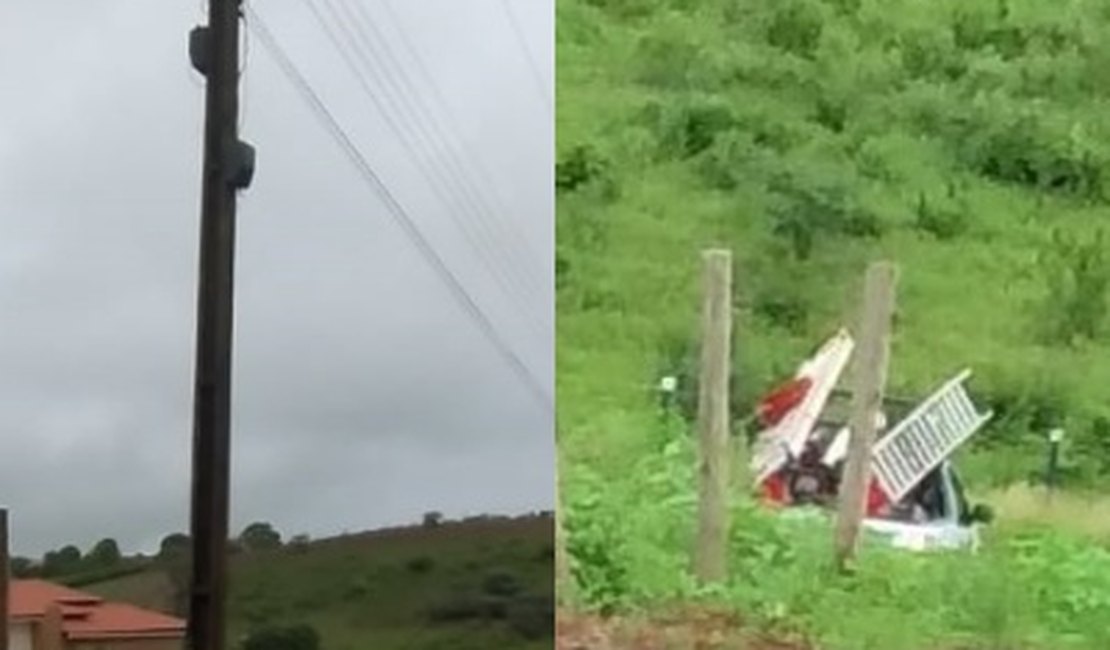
x=22 y=567
x=173 y=544
x=260 y=536
x=433 y=519
x=300 y=543
x=65 y=560
x=105 y=553
x=173 y=554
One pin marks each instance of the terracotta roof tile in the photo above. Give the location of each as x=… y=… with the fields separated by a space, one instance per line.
x=85 y=616
x=116 y=620
x=30 y=598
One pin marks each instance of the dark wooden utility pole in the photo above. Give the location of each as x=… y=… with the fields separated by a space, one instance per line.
x=5 y=574
x=228 y=167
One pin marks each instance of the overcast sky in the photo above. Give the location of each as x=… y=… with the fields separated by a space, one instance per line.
x=363 y=394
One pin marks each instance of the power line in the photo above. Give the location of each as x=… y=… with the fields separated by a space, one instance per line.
x=422 y=69
x=396 y=210
x=458 y=167
x=529 y=59
x=509 y=280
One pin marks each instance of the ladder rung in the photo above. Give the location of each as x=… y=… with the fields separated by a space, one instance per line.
x=952 y=417
x=930 y=433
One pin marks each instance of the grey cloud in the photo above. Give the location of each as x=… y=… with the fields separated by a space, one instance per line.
x=363 y=395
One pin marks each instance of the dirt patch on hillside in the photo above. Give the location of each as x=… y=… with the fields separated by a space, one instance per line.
x=687 y=629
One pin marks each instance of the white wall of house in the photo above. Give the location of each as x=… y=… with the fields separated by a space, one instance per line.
x=19 y=636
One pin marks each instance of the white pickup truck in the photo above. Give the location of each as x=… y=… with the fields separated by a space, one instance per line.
x=944 y=519
x=915 y=500
x=949 y=521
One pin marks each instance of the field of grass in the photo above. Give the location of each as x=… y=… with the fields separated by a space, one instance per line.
x=968 y=141
x=478 y=585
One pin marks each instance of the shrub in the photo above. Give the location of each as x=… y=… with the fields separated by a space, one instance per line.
x=943 y=219
x=579 y=166
x=1043 y=151
x=292 y=637
x=501 y=583
x=532 y=617
x=421 y=564
x=1077 y=278
x=787 y=311
x=467 y=607
x=688 y=129
x=300 y=544
x=796 y=26
x=260 y=536
x=357 y=588
x=805 y=206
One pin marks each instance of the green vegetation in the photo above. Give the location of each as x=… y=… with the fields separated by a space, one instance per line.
x=482 y=583
x=965 y=139
x=1030 y=586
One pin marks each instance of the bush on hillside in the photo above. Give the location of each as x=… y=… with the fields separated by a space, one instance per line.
x=300 y=544
x=468 y=607
x=260 y=536
x=357 y=588
x=174 y=544
x=105 y=553
x=421 y=564
x=1095 y=445
x=23 y=567
x=532 y=617
x=578 y=167
x=291 y=637
x=1077 y=282
x=795 y=26
x=688 y=129
x=63 y=561
x=808 y=204
x=501 y=583
x=943 y=218
x=1032 y=146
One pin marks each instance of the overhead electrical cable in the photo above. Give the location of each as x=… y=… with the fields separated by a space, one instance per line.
x=397 y=211
x=490 y=253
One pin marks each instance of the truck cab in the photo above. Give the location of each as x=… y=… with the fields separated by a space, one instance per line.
x=936 y=516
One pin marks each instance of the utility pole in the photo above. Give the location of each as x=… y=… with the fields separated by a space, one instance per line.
x=228 y=167
x=713 y=418
x=870 y=372
x=5 y=575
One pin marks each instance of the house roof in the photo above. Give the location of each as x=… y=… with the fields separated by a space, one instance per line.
x=31 y=598
x=85 y=616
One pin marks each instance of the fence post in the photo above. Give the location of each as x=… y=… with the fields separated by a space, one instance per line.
x=869 y=378
x=713 y=418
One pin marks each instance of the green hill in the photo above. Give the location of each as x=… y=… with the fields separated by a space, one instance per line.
x=477 y=584
x=965 y=140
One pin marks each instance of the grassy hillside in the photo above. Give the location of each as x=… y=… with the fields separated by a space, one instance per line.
x=968 y=141
x=479 y=584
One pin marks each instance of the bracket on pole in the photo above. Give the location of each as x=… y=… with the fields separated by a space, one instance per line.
x=200 y=49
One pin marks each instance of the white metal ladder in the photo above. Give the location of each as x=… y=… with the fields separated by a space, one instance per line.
x=928 y=435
